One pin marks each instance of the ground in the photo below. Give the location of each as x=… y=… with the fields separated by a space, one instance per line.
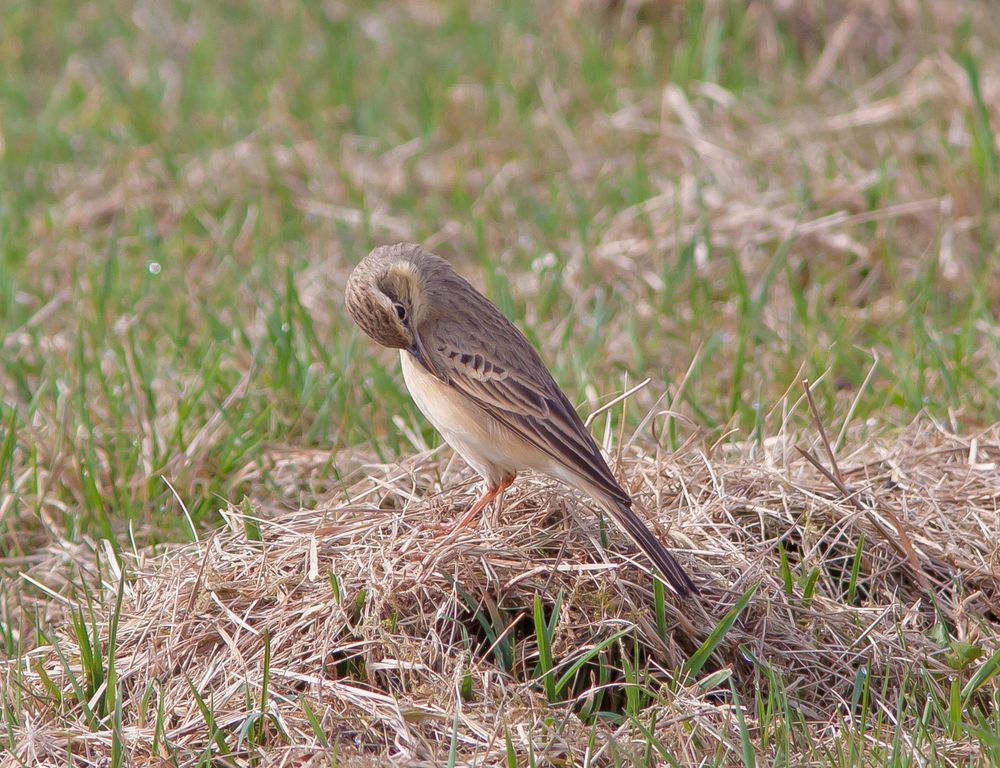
x=774 y=225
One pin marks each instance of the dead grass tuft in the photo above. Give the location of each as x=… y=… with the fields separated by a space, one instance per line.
x=377 y=623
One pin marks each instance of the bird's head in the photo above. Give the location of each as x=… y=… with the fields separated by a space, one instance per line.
x=387 y=293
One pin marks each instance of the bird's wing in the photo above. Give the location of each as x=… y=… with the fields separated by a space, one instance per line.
x=493 y=364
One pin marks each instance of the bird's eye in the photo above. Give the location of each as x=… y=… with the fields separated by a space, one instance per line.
x=400 y=312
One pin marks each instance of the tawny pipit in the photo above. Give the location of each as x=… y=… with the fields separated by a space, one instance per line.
x=483 y=386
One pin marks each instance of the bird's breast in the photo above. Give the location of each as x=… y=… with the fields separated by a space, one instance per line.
x=486 y=444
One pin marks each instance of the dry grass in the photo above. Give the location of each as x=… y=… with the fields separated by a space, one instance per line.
x=393 y=661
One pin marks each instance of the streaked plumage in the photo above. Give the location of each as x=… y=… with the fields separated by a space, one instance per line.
x=483 y=386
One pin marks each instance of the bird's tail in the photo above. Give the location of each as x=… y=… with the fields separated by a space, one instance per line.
x=676 y=578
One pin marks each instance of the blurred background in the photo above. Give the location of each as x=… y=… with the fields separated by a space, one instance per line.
x=723 y=196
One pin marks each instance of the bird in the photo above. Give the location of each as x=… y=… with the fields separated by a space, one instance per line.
x=484 y=387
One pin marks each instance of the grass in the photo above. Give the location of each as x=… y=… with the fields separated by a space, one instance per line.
x=527 y=635
x=726 y=198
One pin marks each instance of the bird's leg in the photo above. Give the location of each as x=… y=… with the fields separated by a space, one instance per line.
x=491 y=493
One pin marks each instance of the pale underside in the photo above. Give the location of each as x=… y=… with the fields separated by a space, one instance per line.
x=489 y=447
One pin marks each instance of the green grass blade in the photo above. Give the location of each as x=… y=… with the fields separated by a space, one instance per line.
x=986 y=672
x=111 y=691
x=314 y=723
x=214 y=732
x=579 y=663
x=544 y=642
x=453 y=744
x=509 y=751
x=746 y=744
x=660 y=608
x=698 y=659
x=786 y=569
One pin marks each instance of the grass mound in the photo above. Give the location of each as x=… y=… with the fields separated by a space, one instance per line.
x=354 y=632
